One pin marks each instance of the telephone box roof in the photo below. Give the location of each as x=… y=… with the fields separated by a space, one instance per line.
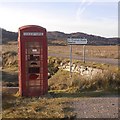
x=29 y=26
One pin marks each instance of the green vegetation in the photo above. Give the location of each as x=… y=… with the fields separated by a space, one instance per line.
x=10 y=59
x=63 y=90
x=60 y=80
x=10 y=77
x=109 y=81
x=53 y=64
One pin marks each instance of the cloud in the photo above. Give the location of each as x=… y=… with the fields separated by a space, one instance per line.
x=83 y=5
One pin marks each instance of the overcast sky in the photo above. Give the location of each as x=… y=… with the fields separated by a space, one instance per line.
x=92 y=17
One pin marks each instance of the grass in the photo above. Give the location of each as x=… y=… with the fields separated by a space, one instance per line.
x=60 y=79
x=10 y=77
x=91 y=51
x=36 y=107
x=62 y=90
x=56 y=104
x=94 y=65
x=107 y=81
x=10 y=59
x=68 y=94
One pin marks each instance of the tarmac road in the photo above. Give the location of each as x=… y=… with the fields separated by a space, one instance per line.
x=101 y=107
x=97 y=60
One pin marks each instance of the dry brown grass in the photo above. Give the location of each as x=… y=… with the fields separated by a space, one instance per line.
x=36 y=107
x=55 y=104
x=50 y=106
x=107 y=81
x=9 y=47
x=91 y=51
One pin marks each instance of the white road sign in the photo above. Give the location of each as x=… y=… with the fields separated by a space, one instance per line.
x=76 y=41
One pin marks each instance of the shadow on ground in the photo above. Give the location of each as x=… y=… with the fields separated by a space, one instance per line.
x=85 y=94
x=9 y=79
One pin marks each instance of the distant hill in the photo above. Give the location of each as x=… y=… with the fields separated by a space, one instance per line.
x=56 y=37
x=92 y=39
x=8 y=36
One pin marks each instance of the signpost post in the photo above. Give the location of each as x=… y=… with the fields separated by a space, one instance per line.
x=76 y=41
x=70 y=61
x=83 y=53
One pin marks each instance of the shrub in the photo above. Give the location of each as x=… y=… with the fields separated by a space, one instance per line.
x=53 y=65
x=59 y=81
x=10 y=59
x=107 y=81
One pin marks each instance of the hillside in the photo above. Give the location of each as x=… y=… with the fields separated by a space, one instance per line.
x=56 y=37
x=8 y=36
x=92 y=39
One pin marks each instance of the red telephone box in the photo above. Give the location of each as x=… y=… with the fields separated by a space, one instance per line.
x=33 y=71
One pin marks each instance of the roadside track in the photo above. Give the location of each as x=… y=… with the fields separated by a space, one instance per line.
x=97 y=60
